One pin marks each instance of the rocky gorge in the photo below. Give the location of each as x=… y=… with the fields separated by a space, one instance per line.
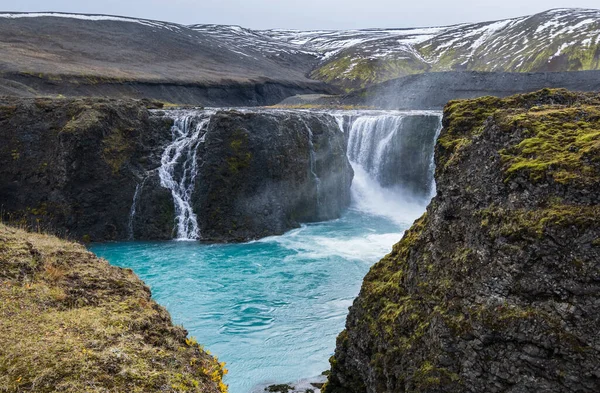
x=277 y=213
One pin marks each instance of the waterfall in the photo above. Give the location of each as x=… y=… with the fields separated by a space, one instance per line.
x=393 y=161
x=313 y=166
x=179 y=168
x=369 y=142
x=133 y=210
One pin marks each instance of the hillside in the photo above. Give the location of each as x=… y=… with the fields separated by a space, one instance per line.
x=71 y=322
x=555 y=40
x=103 y=55
x=496 y=287
x=69 y=54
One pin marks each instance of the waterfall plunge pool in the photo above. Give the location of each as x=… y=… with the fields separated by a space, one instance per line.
x=272 y=308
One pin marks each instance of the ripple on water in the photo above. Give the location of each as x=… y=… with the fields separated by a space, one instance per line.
x=271 y=308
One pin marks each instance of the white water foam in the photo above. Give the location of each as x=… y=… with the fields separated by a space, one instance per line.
x=370 y=197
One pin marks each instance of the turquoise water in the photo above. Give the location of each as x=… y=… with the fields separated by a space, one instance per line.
x=271 y=309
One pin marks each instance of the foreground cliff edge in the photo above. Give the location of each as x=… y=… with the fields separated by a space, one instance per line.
x=71 y=322
x=497 y=286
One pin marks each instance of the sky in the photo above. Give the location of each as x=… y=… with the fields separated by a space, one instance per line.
x=305 y=14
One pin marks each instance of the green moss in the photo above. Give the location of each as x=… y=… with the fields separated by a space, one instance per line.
x=562 y=144
x=83 y=121
x=117 y=149
x=562 y=137
x=72 y=322
x=463 y=120
x=238 y=158
x=429 y=376
x=535 y=223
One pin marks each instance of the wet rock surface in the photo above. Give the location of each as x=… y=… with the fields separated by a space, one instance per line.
x=81 y=167
x=497 y=287
x=262 y=174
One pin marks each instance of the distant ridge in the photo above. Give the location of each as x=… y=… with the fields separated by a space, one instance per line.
x=57 y=53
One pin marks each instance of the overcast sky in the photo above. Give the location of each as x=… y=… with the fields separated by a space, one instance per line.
x=305 y=14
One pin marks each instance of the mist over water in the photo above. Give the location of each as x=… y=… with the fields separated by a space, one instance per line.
x=272 y=308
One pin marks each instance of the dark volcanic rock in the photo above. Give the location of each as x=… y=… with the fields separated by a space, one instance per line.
x=223 y=94
x=260 y=176
x=71 y=166
x=497 y=287
x=78 y=166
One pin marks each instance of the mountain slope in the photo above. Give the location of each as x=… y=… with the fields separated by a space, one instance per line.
x=555 y=40
x=43 y=52
x=49 y=53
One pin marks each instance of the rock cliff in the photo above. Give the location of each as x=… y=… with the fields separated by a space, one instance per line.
x=497 y=286
x=70 y=166
x=265 y=173
x=76 y=167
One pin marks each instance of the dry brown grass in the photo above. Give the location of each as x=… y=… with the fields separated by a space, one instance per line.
x=71 y=322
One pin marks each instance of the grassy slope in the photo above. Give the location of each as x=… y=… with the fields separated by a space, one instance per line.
x=71 y=322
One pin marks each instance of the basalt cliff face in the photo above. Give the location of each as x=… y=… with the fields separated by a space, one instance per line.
x=101 y=169
x=264 y=173
x=71 y=322
x=497 y=286
x=70 y=166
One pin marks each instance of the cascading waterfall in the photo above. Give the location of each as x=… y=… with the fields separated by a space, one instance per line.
x=179 y=169
x=369 y=141
x=392 y=157
x=391 y=153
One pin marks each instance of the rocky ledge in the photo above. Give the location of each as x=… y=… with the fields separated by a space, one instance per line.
x=496 y=287
x=76 y=166
x=70 y=322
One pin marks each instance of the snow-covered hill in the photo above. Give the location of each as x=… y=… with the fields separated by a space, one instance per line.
x=555 y=40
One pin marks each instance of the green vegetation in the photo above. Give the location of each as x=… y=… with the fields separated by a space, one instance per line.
x=561 y=139
x=71 y=322
x=239 y=157
x=562 y=143
x=117 y=148
x=351 y=73
x=535 y=223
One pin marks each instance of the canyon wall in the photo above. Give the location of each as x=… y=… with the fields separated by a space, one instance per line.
x=497 y=286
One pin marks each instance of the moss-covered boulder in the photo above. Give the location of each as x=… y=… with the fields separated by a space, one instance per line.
x=70 y=322
x=497 y=287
